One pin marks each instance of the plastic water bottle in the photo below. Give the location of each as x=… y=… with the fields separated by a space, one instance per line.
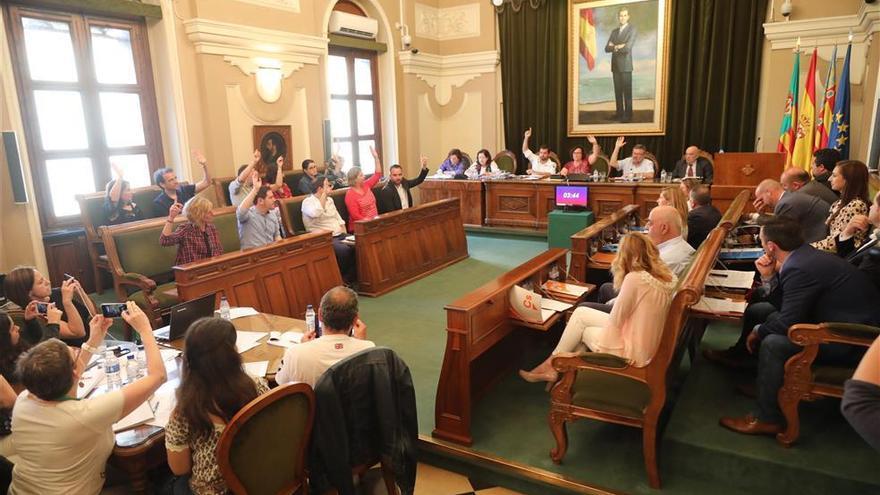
x=111 y=370
x=131 y=369
x=224 y=308
x=663 y=175
x=595 y=176
x=142 y=363
x=310 y=318
x=720 y=150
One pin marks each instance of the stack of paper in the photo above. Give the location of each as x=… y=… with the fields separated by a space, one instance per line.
x=286 y=339
x=571 y=290
x=256 y=369
x=246 y=341
x=139 y=416
x=731 y=279
x=88 y=381
x=554 y=305
x=162 y=403
x=242 y=312
x=715 y=305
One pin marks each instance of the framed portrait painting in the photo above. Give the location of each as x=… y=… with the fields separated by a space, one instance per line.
x=617 y=60
x=273 y=141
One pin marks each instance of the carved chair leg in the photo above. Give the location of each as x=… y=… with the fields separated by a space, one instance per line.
x=96 y=272
x=649 y=450
x=557 y=427
x=789 y=399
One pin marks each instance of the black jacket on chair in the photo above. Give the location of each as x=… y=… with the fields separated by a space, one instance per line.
x=365 y=409
x=388 y=199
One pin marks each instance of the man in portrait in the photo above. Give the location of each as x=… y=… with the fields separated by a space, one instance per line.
x=620 y=47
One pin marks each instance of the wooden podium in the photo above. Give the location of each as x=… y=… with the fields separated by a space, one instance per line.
x=735 y=172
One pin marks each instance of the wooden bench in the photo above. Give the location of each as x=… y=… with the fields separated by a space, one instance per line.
x=478 y=350
x=586 y=245
x=142 y=268
x=398 y=247
x=280 y=278
x=608 y=388
x=291 y=211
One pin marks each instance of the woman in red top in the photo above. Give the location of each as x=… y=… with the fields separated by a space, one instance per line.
x=198 y=238
x=359 y=199
x=579 y=164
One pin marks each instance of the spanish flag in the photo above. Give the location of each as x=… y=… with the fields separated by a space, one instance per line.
x=786 y=130
x=588 y=38
x=823 y=123
x=806 y=123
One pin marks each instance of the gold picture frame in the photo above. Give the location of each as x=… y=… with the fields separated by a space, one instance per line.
x=618 y=66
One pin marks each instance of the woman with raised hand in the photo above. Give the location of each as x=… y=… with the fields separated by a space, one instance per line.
x=118 y=204
x=197 y=238
x=359 y=199
x=30 y=290
x=213 y=388
x=633 y=329
x=63 y=442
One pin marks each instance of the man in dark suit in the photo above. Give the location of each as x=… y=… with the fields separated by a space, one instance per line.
x=395 y=195
x=815 y=287
x=693 y=165
x=703 y=217
x=823 y=164
x=809 y=211
x=798 y=180
x=867 y=256
x=620 y=45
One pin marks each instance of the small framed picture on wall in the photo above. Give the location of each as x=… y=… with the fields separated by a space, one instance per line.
x=273 y=141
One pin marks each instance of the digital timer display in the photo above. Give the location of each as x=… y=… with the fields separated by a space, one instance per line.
x=575 y=196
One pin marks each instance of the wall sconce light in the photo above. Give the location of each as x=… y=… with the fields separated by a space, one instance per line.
x=269 y=83
x=497 y=3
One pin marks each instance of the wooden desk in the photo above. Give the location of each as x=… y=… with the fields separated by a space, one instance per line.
x=280 y=278
x=478 y=352
x=470 y=194
x=142 y=448
x=401 y=246
x=586 y=244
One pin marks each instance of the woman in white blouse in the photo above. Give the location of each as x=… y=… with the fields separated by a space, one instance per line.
x=632 y=330
x=483 y=166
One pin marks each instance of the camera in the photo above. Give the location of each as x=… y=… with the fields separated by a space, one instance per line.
x=42 y=308
x=112 y=310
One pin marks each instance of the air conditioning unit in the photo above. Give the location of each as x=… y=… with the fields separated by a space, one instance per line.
x=353 y=25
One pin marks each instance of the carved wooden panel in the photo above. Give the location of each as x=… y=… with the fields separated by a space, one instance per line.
x=279 y=278
x=469 y=192
x=401 y=246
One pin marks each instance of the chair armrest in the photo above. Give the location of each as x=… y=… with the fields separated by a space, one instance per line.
x=807 y=334
x=144 y=283
x=569 y=365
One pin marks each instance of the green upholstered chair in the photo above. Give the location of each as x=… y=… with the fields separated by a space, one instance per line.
x=608 y=388
x=291 y=215
x=263 y=448
x=292 y=179
x=91 y=211
x=338 y=196
x=221 y=190
x=806 y=381
x=506 y=161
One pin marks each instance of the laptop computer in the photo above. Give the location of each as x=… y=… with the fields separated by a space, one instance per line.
x=183 y=315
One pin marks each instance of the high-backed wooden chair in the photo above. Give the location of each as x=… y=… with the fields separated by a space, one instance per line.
x=601 y=165
x=263 y=448
x=221 y=190
x=555 y=158
x=805 y=380
x=608 y=388
x=653 y=158
x=506 y=161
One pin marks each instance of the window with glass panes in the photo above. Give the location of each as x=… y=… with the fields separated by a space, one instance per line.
x=354 y=106
x=87 y=98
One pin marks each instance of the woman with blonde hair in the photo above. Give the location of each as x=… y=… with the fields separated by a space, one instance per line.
x=198 y=238
x=675 y=197
x=632 y=330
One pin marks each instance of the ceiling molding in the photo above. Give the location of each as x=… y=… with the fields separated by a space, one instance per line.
x=249 y=48
x=447 y=23
x=288 y=5
x=825 y=31
x=445 y=72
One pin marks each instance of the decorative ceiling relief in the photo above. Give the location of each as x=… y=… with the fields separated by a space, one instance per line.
x=445 y=72
x=448 y=23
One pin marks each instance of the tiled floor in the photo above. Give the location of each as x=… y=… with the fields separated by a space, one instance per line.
x=430 y=480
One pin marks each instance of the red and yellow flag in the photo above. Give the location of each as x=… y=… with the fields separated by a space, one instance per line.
x=588 y=38
x=823 y=123
x=806 y=123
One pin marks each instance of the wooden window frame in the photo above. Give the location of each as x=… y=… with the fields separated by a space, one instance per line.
x=352 y=97
x=89 y=88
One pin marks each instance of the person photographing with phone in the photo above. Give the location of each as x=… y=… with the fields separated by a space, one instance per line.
x=29 y=289
x=63 y=442
x=343 y=334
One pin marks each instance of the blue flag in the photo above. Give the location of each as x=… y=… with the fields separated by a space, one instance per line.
x=838 y=137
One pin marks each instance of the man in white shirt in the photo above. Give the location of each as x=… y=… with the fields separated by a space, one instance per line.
x=636 y=165
x=319 y=213
x=664 y=229
x=344 y=334
x=539 y=164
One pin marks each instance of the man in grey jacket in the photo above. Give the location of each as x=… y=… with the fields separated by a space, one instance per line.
x=809 y=211
x=798 y=180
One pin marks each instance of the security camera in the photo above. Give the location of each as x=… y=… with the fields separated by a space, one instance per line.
x=785 y=9
x=406 y=41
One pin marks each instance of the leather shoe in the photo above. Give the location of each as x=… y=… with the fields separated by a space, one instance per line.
x=750 y=425
x=730 y=358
